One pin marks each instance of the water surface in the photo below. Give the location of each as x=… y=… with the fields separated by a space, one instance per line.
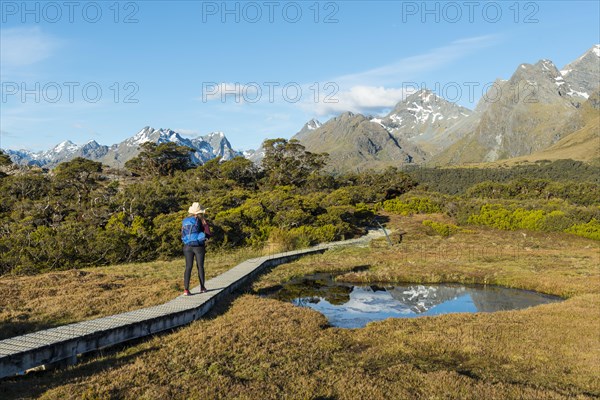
x=353 y=306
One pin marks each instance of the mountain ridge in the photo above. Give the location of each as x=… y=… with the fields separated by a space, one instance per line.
x=532 y=110
x=206 y=147
x=536 y=108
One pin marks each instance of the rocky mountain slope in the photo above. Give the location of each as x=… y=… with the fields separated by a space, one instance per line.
x=539 y=108
x=583 y=74
x=532 y=111
x=424 y=118
x=354 y=142
x=581 y=145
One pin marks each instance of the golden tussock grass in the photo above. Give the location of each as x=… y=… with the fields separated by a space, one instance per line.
x=265 y=349
x=31 y=303
x=553 y=263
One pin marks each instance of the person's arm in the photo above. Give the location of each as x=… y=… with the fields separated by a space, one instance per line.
x=206 y=228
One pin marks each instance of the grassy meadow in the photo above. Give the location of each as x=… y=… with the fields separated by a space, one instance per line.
x=31 y=303
x=258 y=348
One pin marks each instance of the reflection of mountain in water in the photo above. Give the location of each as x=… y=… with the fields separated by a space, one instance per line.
x=421 y=298
x=492 y=299
x=310 y=290
x=350 y=306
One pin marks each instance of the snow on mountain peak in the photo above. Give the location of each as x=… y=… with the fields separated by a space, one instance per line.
x=142 y=136
x=67 y=145
x=313 y=124
x=173 y=136
x=421 y=113
x=565 y=72
x=596 y=50
x=547 y=65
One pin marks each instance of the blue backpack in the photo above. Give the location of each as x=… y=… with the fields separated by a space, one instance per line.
x=192 y=232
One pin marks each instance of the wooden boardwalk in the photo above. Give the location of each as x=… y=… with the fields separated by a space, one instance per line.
x=65 y=343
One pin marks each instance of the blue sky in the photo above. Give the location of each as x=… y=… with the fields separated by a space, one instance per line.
x=255 y=70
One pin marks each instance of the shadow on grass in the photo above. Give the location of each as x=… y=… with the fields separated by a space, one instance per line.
x=359 y=268
x=36 y=383
x=17 y=328
x=303 y=281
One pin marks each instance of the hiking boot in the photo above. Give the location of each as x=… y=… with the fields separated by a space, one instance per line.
x=186 y=292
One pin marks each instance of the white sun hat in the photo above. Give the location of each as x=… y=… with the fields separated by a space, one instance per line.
x=196 y=209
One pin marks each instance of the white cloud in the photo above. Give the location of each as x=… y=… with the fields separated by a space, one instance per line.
x=373 y=91
x=381 y=88
x=359 y=99
x=22 y=47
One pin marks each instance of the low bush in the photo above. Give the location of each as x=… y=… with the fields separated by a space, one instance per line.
x=440 y=228
x=415 y=205
x=590 y=230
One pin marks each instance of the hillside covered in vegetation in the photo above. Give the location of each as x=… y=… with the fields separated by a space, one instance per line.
x=83 y=214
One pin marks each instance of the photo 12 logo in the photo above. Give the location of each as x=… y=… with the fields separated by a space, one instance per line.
x=470 y=11
x=254 y=92
x=490 y=92
x=71 y=92
x=69 y=11
x=253 y=12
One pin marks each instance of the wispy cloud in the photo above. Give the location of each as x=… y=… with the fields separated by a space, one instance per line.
x=22 y=47
x=358 y=99
x=382 y=87
x=372 y=91
x=410 y=67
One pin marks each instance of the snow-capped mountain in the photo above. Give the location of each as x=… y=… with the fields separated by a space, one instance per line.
x=527 y=113
x=310 y=126
x=583 y=74
x=425 y=119
x=206 y=148
x=534 y=109
x=422 y=298
x=538 y=106
x=422 y=113
x=255 y=156
x=63 y=151
x=412 y=131
x=355 y=142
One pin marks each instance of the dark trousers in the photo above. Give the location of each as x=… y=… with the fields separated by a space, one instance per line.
x=191 y=252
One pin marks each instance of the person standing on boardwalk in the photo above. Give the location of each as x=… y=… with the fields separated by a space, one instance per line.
x=194 y=232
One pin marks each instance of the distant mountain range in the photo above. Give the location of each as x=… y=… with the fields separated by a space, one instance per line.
x=205 y=148
x=541 y=112
x=532 y=111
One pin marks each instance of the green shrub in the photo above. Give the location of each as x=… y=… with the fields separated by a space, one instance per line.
x=499 y=217
x=415 y=205
x=442 y=229
x=590 y=230
x=496 y=216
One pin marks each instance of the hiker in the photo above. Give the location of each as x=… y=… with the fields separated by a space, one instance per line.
x=194 y=232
